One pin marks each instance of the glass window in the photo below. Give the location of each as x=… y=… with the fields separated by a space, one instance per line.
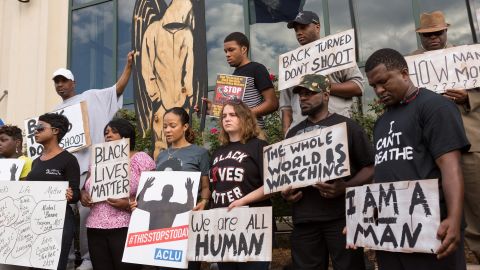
x=77 y=3
x=317 y=7
x=124 y=36
x=456 y=14
x=339 y=13
x=222 y=17
x=92 y=47
x=384 y=24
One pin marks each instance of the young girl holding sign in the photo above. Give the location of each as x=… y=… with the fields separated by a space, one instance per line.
x=242 y=149
x=11 y=147
x=107 y=222
x=56 y=164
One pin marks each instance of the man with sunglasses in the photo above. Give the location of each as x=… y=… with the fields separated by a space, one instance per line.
x=433 y=36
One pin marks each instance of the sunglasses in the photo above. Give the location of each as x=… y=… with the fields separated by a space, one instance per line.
x=40 y=128
x=437 y=33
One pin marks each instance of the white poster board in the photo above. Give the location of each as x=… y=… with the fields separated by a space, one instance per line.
x=399 y=216
x=241 y=235
x=77 y=137
x=158 y=230
x=11 y=168
x=316 y=156
x=32 y=215
x=452 y=68
x=324 y=56
x=110 y=170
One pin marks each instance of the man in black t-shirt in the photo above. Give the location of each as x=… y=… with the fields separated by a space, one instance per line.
x=319 y=210
x=427 y=138
x=259 y=94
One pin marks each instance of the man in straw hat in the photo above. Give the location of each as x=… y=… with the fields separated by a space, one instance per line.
x=319 y=210
x=433 y=35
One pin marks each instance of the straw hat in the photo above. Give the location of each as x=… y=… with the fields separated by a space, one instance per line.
x=432 y=22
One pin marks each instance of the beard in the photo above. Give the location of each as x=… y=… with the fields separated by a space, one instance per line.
x=313 y=110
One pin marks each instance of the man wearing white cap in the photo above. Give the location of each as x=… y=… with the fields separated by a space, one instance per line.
x=433 y=36
x=102 y=104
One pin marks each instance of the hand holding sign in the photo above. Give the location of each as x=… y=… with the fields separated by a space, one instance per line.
x=69 y=194
x=459 y=96
x=291 y=195
x=121 y=204
x=85 y=199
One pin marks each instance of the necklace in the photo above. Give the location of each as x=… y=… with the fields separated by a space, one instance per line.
x=411 y=97
x=170 y=155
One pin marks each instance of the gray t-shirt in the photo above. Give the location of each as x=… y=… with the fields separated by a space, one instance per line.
x=191 y=158
x=338 y=105
x=102 y=104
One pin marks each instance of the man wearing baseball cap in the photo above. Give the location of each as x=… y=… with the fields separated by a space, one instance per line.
x=345 y=84
x=102 y=104
x=433 y=36
x=319 y=210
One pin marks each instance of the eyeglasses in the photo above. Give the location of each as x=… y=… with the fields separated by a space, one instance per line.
x=437 y=33
x=40 y=128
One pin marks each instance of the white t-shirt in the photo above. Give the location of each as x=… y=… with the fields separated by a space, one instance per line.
x=102 y=104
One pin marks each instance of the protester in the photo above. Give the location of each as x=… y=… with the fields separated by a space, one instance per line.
x=319 y=210
x=346 y=83
x=242 y=144
x=56 y=164
x=107 y=222
x=433 y=35
x=11 y=142
x=101 y=106
x=431 y=125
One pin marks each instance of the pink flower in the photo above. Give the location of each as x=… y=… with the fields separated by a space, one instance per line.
x=213 y=131
x=272 y=77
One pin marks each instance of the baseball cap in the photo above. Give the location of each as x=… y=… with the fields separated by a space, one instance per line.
x=304 y=17
x=313 y=82
x=63 y=72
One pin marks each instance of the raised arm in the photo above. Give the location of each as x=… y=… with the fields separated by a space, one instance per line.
x=127 y=71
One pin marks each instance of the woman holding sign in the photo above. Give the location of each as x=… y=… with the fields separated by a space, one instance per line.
x=107 y=222
x=11 y=147
x=56 y=164
x=237 y=168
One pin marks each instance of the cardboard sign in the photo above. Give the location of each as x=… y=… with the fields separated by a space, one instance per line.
x=316 y=156
x=452 y=68
x=158 y=230
x=110 y=170
x=32 y=214
x=11 y=168
x=229 y=87
x=77 y=137
x=399 y=216
x=241 y=235
x=324 y=56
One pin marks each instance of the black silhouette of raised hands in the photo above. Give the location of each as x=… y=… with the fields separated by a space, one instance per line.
x=13 y=171
x=149 y=182
x=189 y=184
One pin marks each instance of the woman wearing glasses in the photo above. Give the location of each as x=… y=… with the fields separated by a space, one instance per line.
x=56 y=164
x=242 y=148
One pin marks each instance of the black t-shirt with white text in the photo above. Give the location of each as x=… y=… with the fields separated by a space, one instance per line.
x=258 y=80
x=62 y=167
x=408 y=138
x=312 y=206
x=236 y=170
